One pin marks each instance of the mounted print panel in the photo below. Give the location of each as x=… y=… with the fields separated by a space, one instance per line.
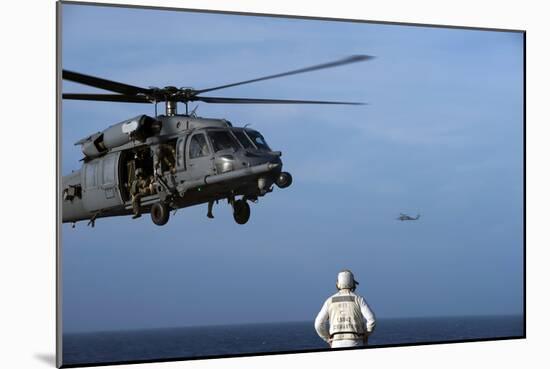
x=243 y=184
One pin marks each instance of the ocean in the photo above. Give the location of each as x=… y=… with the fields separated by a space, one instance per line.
x=215 y=341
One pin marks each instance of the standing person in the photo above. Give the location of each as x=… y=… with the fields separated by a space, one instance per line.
x=350 y=319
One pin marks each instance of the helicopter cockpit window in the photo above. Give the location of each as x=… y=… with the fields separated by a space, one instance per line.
x=258 y=140
x=198 y=146
x=223 y=140
x=243 y=139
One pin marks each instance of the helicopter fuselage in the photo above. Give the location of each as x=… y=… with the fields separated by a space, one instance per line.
x=187 y=161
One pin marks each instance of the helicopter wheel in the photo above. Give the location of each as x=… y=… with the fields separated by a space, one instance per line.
x=241 y=211
x=160 y=213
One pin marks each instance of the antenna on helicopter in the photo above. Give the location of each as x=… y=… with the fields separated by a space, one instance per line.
x=193 y=112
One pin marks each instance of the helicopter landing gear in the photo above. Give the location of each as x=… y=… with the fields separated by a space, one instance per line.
x=241 y=211
x=160 y=213
x=209 y=214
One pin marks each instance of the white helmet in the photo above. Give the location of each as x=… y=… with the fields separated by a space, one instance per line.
x=346 y=280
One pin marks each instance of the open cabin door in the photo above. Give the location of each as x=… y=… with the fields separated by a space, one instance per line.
x=101 y=183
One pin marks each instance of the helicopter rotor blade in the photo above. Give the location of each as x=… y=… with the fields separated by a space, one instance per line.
x=348 y=60
x=107 y=97
x=237 y=100
x=104 y=84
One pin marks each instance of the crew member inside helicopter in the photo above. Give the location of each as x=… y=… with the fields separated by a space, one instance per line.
x=166 y=158
x=140 y=187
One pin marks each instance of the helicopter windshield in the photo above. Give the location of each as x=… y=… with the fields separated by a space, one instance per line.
x=258 y=140
x=223 y=140
x=243 y=139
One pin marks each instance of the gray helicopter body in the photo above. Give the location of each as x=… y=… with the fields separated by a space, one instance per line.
x=235 y=162
x=404 y=217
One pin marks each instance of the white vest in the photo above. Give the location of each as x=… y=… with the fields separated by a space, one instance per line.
x=345 y=315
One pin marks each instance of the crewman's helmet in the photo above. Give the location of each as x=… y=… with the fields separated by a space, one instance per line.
x=345 y=280
x=139 y=172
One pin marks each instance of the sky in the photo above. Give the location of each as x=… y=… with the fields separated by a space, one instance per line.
x=442 y=135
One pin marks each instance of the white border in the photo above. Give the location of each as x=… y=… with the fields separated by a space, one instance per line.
x=28 y=181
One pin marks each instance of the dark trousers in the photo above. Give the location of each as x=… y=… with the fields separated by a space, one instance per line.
x=136 y=203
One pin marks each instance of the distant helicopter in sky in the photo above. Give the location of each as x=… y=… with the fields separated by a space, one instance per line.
x=403 y=217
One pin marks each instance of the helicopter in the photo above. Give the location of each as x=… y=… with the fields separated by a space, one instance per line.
x=180 y=160
x=403 y=217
